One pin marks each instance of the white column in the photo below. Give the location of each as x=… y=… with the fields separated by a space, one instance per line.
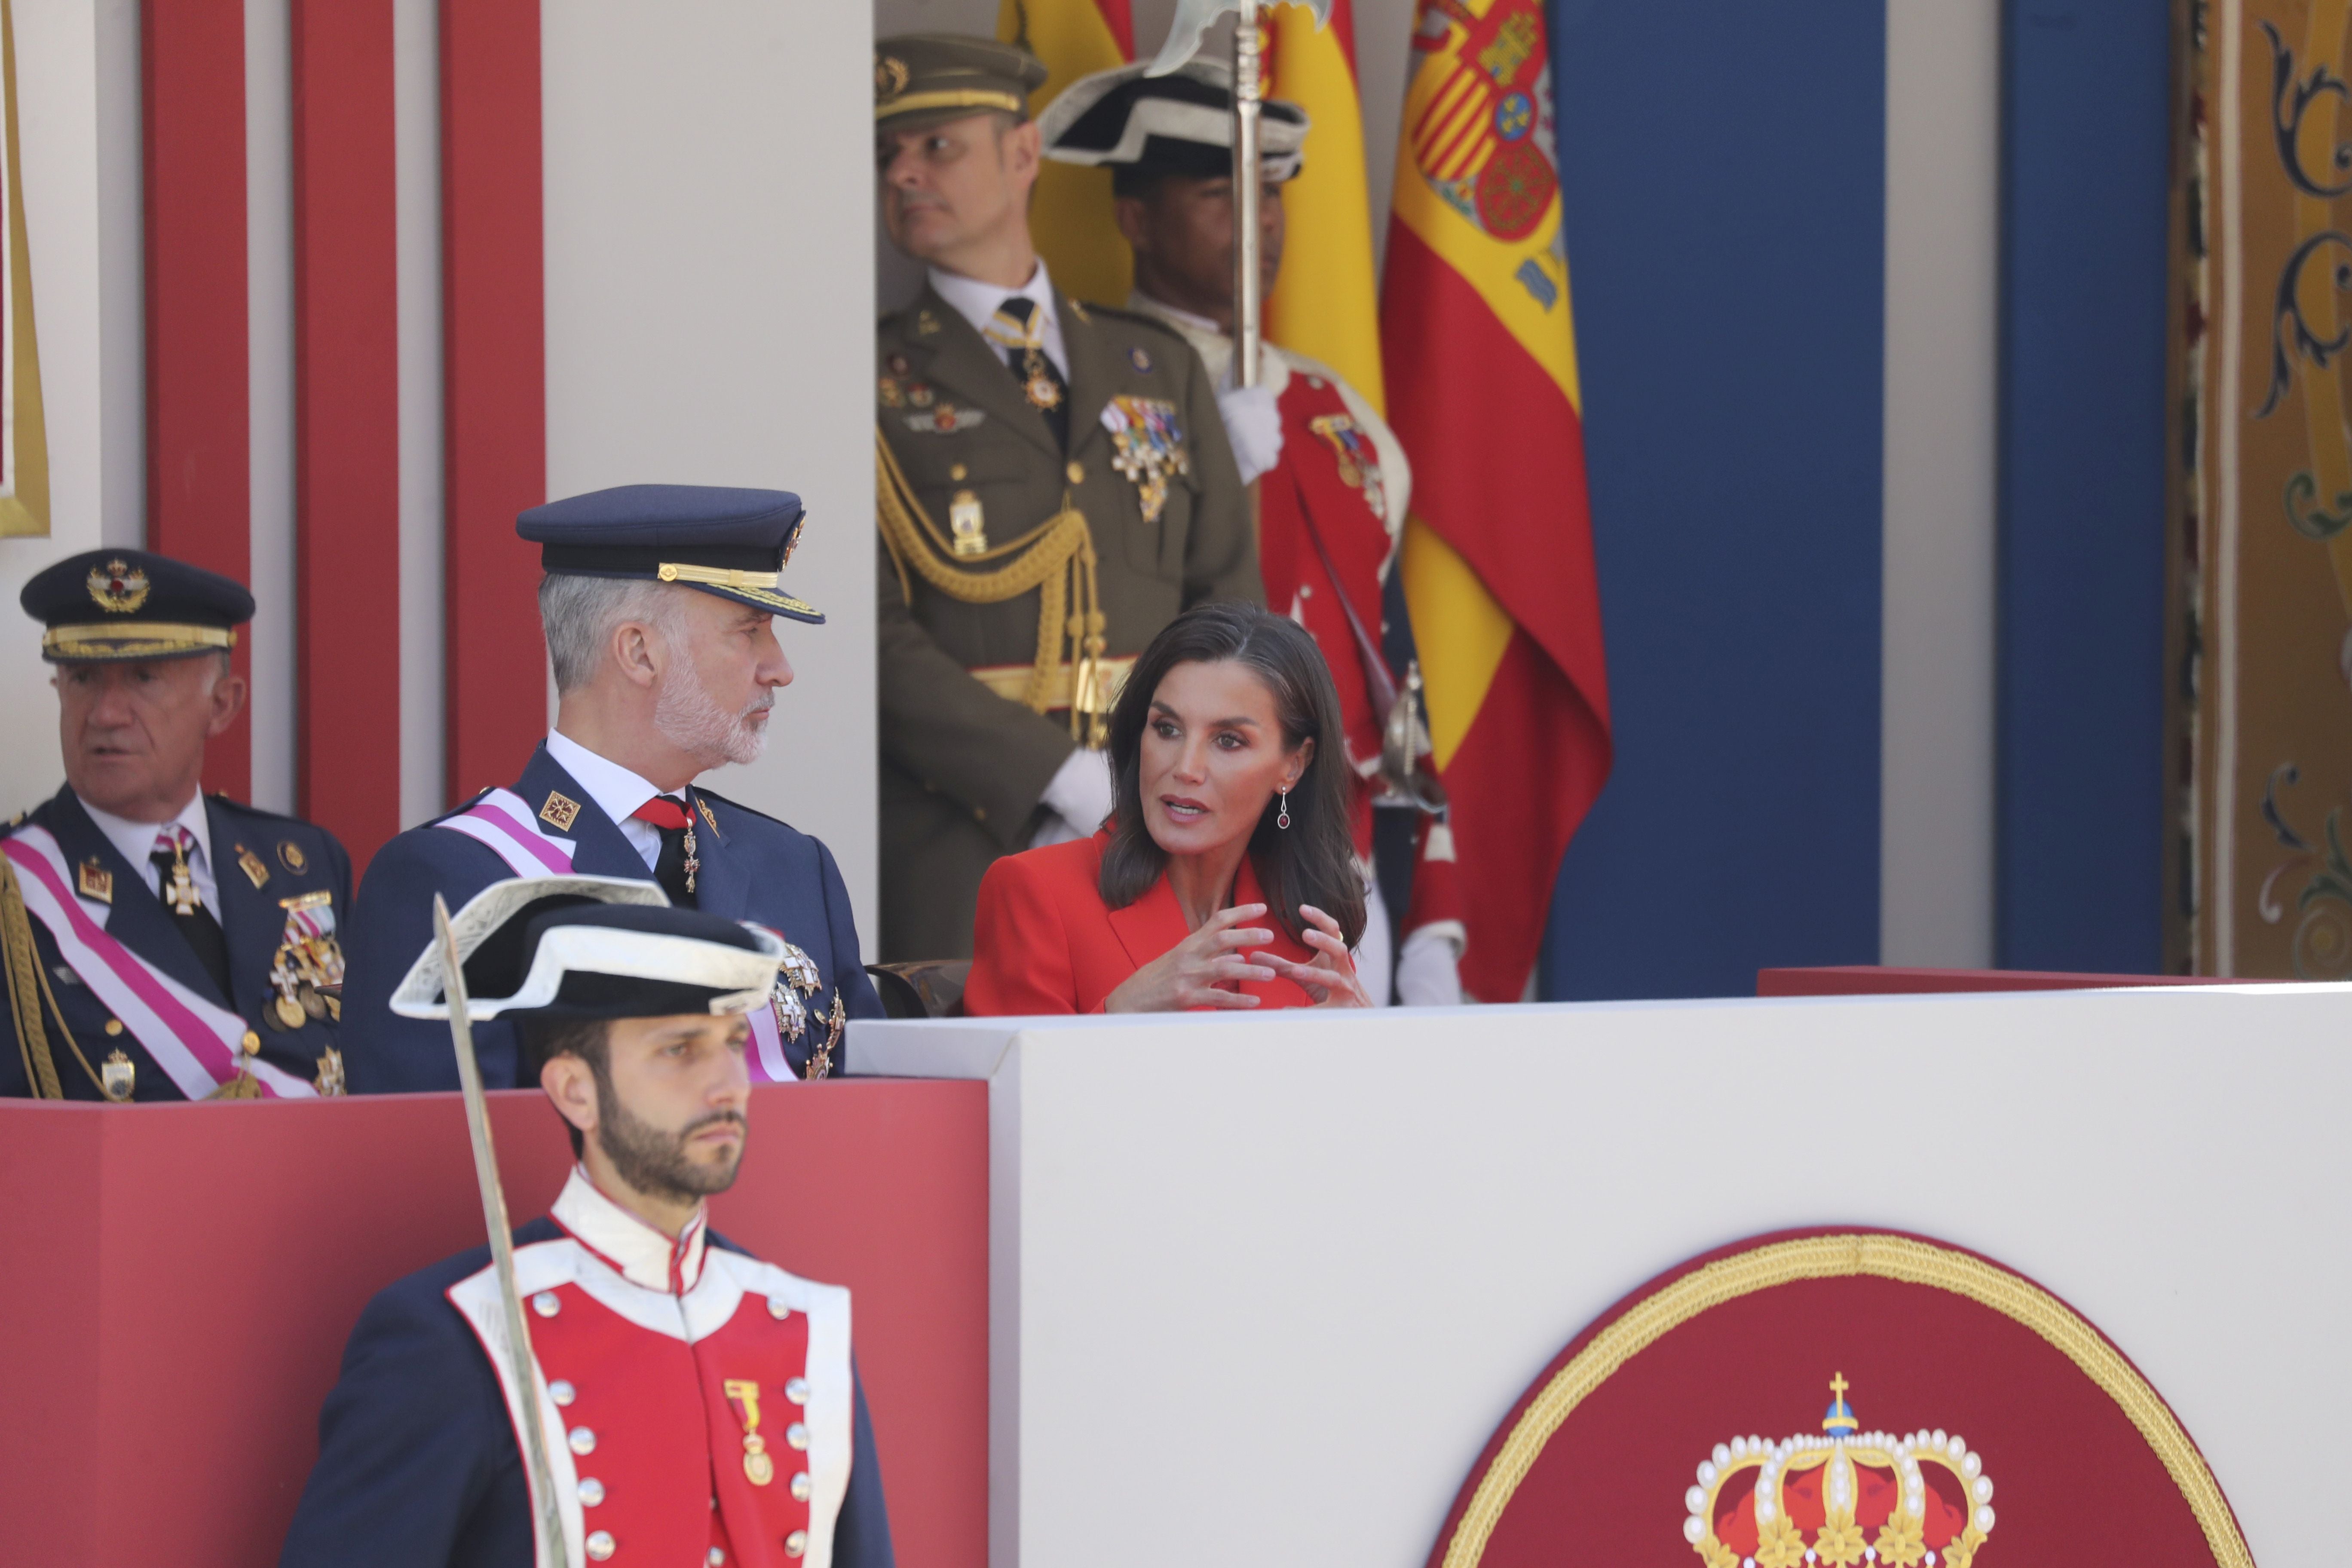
x=1943 y=144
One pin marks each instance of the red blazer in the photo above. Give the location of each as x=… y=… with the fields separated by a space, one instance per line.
x=1044 y=942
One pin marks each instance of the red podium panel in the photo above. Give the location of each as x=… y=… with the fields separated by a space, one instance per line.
x=176 y=1283
x=1875 y=980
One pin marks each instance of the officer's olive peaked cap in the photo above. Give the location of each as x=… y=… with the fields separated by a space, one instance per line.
x=928 y=79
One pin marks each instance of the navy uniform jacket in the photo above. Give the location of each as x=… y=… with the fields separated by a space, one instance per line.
x=294 y=856
x=418 y=1464
x=754 y=868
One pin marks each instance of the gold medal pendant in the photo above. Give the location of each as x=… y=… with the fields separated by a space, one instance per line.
x=287 y=1013
x=743 y=1398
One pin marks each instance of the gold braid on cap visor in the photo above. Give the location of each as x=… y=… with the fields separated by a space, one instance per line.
x=144 y=640
x=948 y=98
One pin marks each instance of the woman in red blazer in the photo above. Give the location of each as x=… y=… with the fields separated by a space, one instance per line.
x=1226 y=875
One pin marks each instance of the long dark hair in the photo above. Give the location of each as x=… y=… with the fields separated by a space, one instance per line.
x=1313 y=861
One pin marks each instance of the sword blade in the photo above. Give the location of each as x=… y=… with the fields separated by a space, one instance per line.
x=494 y=1215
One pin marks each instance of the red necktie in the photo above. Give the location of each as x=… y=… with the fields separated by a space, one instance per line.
x=663 y=813
x=675 y=867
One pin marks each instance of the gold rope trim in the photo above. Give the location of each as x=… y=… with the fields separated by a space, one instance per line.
x=1831 y=1258
x=1056 y=557
x=22 y=962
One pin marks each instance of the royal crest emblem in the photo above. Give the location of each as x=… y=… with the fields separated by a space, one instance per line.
x=1841 y=1497
x=118 y=587
x=1479 y=113
x=1360 y=463
x=1146 y=446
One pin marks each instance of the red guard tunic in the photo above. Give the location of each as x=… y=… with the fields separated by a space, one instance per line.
x=698 y=1404
x=1343 y=482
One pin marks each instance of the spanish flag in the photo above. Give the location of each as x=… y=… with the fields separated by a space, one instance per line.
x=1070 y=212
x=1325 y=303
x=1482 y=386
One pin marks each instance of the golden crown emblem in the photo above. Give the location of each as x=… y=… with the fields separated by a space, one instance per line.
x=1846 y=1499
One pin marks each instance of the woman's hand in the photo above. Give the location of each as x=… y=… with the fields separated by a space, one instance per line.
x=1330 y=981
x=1189 y=975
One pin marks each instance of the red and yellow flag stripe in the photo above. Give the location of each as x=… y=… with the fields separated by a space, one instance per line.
x=1070 y=215
x=1483 y=391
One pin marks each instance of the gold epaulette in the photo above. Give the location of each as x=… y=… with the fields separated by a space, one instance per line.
x=1056 y=557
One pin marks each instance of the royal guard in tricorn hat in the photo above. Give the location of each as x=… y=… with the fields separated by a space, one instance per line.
x=675 y=1401
x=158 y=943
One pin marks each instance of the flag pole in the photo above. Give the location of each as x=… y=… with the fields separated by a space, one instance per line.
x=1247 y=95
x=494 y=1212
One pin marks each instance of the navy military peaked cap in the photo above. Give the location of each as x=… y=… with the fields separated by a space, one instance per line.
x=117 y=606
x=724 y=541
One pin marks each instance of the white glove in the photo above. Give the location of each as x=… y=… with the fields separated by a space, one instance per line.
x=1428 y=971
x=1076 y=799
x=1253 y=427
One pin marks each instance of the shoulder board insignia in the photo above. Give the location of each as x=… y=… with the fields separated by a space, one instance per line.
x=250 y=864
x=925 y=325
x=945 y=420
x=94 y=881
x=290 y=855
x=1078 y=309
x=560 y=812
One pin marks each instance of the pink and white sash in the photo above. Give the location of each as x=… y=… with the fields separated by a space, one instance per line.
x=502 y=820
x=198 y=1044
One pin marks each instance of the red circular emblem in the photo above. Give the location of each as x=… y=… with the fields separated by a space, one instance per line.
x=1514 y=189
x=1841 y=1399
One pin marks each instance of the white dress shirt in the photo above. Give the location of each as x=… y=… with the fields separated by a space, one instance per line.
x=616 y=791
x=976 y=303
x=136 y=840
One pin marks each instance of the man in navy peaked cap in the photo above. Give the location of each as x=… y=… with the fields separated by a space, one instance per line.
x=658 y=604
x=157 y=943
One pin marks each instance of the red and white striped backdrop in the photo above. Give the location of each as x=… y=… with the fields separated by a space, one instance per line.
x=346 y=647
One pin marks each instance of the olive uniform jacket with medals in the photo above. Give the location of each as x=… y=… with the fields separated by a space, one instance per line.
x=974 y=722
x=751 y=867
x=108 y=1000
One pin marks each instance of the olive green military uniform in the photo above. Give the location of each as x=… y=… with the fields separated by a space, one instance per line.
x=962 y=766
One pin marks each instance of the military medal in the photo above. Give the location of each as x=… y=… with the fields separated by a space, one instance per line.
x=743 y=1398
x=307 y=971
x=1147 y=446
x=964 y=522
x=181 y=894
x=329 y=1080
x=117 y=1076
x=1360 y=464
x=692 y=863
x=820 y=1062
x=1039 y=387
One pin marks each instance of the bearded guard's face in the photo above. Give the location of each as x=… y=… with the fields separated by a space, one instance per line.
x=670 y=1103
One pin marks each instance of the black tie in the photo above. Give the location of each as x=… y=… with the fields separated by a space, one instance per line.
x=195 y=922
x=675 y=867
x=1018 y=329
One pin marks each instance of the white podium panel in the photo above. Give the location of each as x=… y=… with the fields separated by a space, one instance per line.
x=1262 y=1287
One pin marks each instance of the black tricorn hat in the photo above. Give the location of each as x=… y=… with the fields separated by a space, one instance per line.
x=592 y=947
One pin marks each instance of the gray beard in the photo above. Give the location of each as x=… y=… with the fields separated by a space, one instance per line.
x=686 y=715
x=654 y=1161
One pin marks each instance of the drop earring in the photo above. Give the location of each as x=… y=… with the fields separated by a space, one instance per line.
x=1283 y=818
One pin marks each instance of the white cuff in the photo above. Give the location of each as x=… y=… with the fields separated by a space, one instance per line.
x=1080 y=796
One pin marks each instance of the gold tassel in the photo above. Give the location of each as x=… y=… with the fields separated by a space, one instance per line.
x=21 y=958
